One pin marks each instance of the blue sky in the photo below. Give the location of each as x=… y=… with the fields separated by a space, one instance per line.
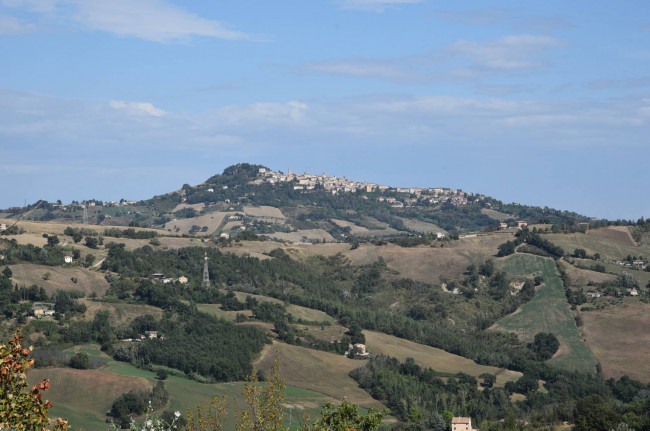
x=538 y=102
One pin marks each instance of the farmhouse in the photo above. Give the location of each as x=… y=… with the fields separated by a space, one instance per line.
x=638 y=264
x=522 y=224
x=461 y=424
x=182 y=279
x=67 y=259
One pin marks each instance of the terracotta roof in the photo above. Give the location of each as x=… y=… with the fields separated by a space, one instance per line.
x=461 y=420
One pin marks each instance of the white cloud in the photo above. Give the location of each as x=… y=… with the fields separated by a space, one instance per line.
x=153 y=20
x=11 y=25
x=509 y=17
x=138 y=108
x=263 y=114
x=373 y=5
x=505 y=53
x=363 y=68
x=459 y=61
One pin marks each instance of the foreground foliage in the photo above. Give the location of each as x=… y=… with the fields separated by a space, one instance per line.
x=22 y=409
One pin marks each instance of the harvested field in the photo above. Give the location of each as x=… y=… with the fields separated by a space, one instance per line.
x=619 y=337
x=437 y=359
x=120 y=313
x=620 y=234
x=608 y=249
x=60 y=278
x=315 y=370
x=430 y=264
x=264 y=212
x=421 y=226
x=327 y=333
x=302 y=235
x=580 y=277
x=496 y=215
x=298 y=312
x=57 y=228
x=196 y=207
x=215 y=310
x=548 y=311
x=355 y=229
x=211 y=220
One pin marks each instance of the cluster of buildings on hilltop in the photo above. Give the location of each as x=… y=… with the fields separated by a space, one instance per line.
x=335 y=185
x=74 y=205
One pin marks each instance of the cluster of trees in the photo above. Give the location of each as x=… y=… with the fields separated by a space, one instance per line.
x=136 y=403
x=200 y=346
x=16 y=302
x=46 y=255
x=420 y=396
x=130 y=233
x=531 y=238
x=77 y=233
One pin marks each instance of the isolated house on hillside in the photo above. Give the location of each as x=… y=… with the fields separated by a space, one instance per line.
x=522 y=224
x=461 y=424
x=67 y=259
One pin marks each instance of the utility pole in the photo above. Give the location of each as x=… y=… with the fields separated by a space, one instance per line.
x=206 y=273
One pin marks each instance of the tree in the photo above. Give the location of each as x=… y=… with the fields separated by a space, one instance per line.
x=265 y=404
x=52 y=240
x=21 y=409
x=345 y=417
x=488 y=380
x=91 y=242
x=437 y=423
x=90 y=258
x=544 y=345
x=580 y=253
x=79 y=361
x=7 y=272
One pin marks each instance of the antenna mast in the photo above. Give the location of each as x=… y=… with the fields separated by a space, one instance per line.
x=206 y=273
x=85 y=213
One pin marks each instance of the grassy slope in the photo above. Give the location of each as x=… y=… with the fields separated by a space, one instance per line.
x=316 y=370
x=547 y=312
x=84 y=396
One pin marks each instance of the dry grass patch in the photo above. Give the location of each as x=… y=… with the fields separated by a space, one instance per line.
x=427 y=356
x=619 y=337
x=326 y=333
x=583 y=276
x=421 y=226
x=196 y=207
x=264 y=211
x=620 y=234
x=120 y=313
x=211 y=220
x=315 y=370
x=60 y=278
x=302 y=235
x=355 y=229
x=591 y=243
x=496 y=215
